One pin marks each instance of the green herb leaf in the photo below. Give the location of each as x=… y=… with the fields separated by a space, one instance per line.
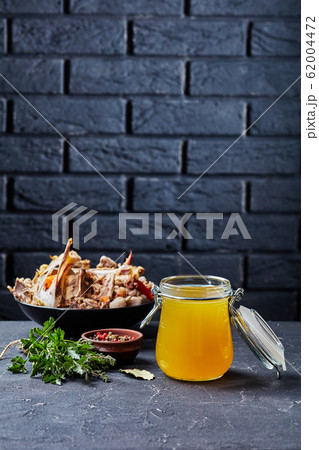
x=17 y=365
x=55 y=358
x=73 y=353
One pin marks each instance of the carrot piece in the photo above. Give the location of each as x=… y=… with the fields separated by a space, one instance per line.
x=48 y=281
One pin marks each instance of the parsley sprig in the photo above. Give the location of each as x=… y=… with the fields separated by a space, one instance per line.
x=56 y=358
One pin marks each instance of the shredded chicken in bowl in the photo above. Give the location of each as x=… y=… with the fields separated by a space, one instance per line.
x=69 y=281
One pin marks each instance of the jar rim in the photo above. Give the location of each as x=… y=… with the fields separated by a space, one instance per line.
x=168 y=284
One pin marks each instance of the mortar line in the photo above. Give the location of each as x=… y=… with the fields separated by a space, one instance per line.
x=61 y=135
x=239 y=137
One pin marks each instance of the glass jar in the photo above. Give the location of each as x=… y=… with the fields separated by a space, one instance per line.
x=194 y=341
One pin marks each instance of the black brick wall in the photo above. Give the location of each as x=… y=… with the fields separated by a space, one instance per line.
x=151 y=93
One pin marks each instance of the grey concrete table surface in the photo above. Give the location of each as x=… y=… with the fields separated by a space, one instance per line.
x=248 y=408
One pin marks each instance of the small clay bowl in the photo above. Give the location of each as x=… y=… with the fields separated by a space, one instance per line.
x=122 y=351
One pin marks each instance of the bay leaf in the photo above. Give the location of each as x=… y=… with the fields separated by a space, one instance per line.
x=144 y=374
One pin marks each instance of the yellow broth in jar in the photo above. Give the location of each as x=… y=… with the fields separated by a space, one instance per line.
x=194 y=339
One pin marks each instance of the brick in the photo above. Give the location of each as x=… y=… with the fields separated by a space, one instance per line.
x=3 y=188
x=29 y=75
x=189 y=37
x=125 y=154
x=268 y=232
x=248 y=7
x=272 y=305
x=30 y=6
x=33 y=231
x=3 y=38
x=70 y=115
x=31 y=154
x=158 y=266
x=281 y=119
x=138 y=7
x=53 y=193
x=226 y=266
x=161 y=194
x=275 y=38
x=90 y=35
x=27 y=231
x=129 y=76
x=274 y=271
x=107 y=237
x=247 y=156
x=275 y=195
x=172 y=116
x=9 y=308
x=2 y=114
x=173 y=264
x=2 y=270
x=244 y=77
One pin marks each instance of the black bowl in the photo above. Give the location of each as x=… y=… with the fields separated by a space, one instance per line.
x=76 y=321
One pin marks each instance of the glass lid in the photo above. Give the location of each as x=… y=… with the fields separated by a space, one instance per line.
x=257 y=334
